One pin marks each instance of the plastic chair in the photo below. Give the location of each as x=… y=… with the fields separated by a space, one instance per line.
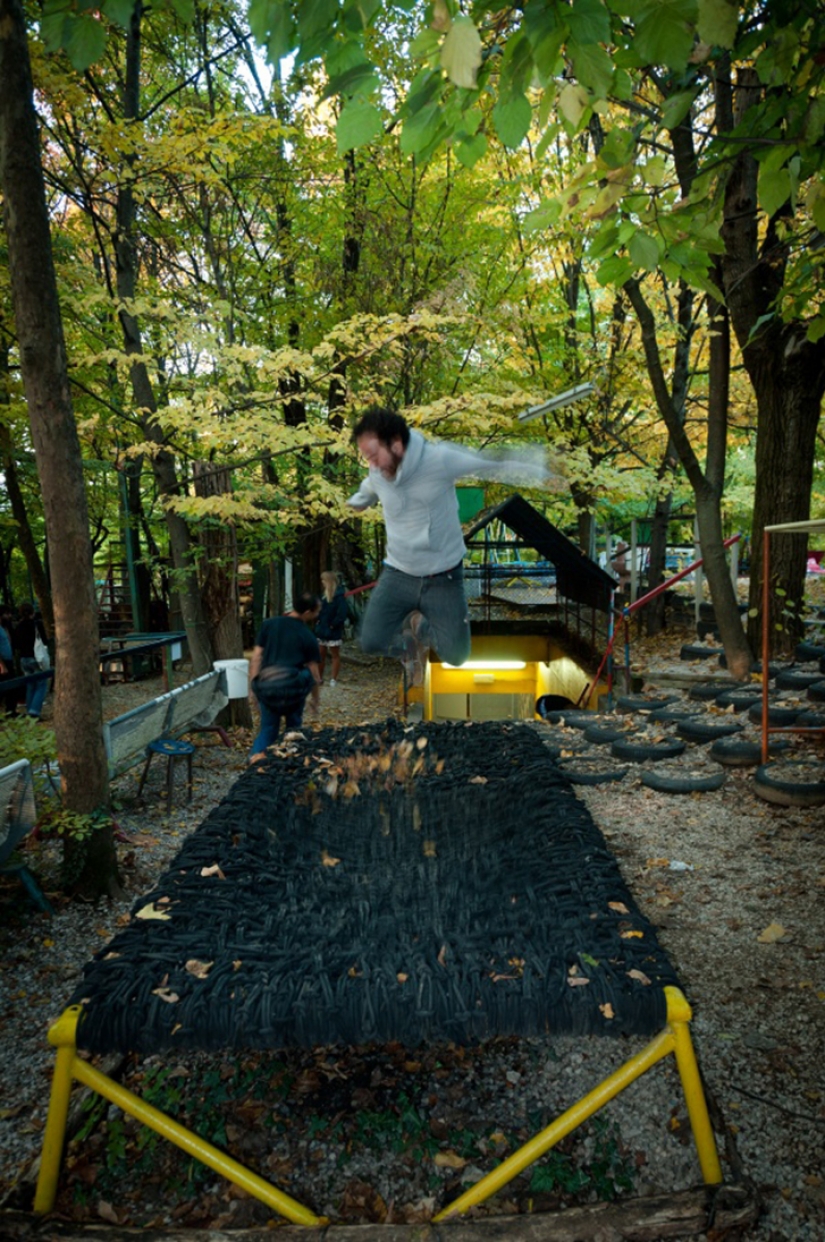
x=17 y=818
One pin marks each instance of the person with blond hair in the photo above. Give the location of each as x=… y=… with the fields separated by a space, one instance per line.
x=329 y=628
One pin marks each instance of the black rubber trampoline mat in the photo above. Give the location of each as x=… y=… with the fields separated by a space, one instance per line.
x=428 y=882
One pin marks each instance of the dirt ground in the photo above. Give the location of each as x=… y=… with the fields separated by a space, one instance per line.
x=735 y=888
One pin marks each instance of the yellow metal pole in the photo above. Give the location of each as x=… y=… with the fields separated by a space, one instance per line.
x=679 y=1015
x=69 y=1066
x=194 y=1145
x=574 y=1116
x=62 y=1036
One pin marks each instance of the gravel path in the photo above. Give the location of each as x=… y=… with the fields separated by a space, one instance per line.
x=735 y=886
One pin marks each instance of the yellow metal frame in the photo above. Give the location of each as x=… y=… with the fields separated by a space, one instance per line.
x=71 y=1068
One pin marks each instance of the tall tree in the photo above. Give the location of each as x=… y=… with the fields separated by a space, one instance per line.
x=77 y=712
x=653 y=66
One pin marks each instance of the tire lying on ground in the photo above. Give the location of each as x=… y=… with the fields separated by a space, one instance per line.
x=740 y=700
x=560 y=742
x=703 y=730
x=734 y=752
x=777 y=714
x=601 y=735
x=706 y=691
x=674 y=780
x=637 y=750
x=638 y=702
x=810 y=720
x=573 y=719
x=796 y=679
x=674 y=712
x=739 y=752
x=816 y=692
x=810 y=651
x=697 y=651
x=789 y=782
x=595 y=771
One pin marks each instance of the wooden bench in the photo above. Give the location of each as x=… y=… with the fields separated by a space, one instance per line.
x=17 y=820
x=146 y=730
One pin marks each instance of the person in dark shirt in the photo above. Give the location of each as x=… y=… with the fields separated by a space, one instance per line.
x=283 y=644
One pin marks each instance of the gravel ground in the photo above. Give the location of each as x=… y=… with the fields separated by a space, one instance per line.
x=735 y=886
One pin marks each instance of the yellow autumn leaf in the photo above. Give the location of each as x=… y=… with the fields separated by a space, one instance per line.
x=150 y=912
x=449 y=1160
x=329 y=860
x=618 y=906
x=772 y=933
x=631 y=935
x=607 y=1010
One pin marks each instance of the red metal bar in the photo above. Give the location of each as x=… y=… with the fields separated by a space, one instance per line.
x=663 y=586
x=644 y=599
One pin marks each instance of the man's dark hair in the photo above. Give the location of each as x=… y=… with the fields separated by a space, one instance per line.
x=387 y=425
x=305 y=602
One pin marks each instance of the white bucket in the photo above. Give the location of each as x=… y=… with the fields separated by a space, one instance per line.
x=237 y=677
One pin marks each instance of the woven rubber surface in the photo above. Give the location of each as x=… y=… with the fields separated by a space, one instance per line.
x=428 y=882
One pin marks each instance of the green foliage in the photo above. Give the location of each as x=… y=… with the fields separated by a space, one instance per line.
x=22 y=737
x=73 y=825
x=607 y=1171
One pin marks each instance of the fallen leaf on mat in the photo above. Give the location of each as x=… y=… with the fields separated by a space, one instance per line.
x=640 y=975
x=199 y=969
x=607 y=1010
x=149 y=912
x=213 y=870
x=166 y=994
x=328 y=859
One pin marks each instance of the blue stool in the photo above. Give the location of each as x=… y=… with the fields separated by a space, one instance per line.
x=172 y=748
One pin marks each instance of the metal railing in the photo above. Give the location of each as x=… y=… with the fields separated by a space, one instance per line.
x=626 y=612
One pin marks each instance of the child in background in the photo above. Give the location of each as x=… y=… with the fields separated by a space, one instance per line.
x=329 y=628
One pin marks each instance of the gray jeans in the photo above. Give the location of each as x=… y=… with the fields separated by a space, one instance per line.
x=438 y=597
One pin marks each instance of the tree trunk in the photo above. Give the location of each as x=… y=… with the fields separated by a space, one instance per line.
x=78 y=710
x=707 y=484
x=787 y=372
x=659 y=522
x=709 y=491
x=789 y=389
